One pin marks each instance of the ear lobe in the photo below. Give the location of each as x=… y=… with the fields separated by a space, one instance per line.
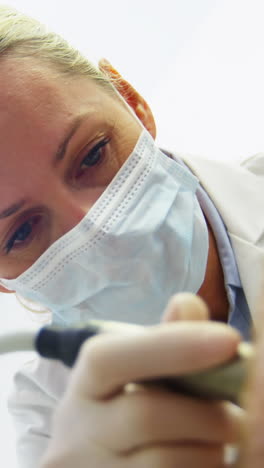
x=131 y=96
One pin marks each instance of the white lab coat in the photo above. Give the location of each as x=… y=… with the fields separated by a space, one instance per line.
x=238 y=193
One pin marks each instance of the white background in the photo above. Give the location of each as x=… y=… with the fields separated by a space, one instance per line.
x=199 y=64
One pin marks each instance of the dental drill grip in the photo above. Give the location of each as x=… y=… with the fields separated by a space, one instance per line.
x=223 y=382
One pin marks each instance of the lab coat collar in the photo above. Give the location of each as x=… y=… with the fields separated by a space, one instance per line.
x=238 y=194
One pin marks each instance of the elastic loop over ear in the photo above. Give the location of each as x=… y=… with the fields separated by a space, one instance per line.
x=35 y=308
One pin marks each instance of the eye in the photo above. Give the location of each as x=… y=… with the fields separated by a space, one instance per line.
x=95 y=155
x=22 y=234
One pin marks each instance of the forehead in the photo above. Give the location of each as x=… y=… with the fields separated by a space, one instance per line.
x=37 y=107
x=27 y=87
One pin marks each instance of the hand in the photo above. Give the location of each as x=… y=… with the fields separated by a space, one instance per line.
x=106 y=421
x=253 y=444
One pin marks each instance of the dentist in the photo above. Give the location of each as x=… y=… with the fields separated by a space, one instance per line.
x=97 y=222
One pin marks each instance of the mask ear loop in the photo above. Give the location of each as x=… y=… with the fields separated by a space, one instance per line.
x=37 y=311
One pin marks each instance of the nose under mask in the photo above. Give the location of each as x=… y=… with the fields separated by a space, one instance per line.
x=144 y=240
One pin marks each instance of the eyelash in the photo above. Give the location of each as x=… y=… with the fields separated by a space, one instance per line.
x=30 y=223
x=28 y=226
x=95 y=154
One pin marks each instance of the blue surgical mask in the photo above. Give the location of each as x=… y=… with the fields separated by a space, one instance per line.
x=144 y=240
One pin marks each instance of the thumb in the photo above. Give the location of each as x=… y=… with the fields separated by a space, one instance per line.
x=185 y=306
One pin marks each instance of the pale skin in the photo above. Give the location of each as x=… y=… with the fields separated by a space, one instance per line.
x=115 y=425
x=62 y=141
x=99 y=379
x=252 y=445
x=39 y=107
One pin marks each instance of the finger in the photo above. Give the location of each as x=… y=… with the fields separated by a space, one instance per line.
x=188 y=456
x=143 y=418
x=185 y=306
x=253 y=444
x=108 y=362
x=167 y=456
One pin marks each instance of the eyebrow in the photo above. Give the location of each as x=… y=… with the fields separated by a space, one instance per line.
x=12 y=209
x=59 y=155
x=62 y=148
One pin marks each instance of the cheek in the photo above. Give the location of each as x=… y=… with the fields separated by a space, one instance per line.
x=13 y=267
x=93 y=195
x=108 y=169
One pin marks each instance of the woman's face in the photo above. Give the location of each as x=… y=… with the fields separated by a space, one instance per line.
x=62 y=140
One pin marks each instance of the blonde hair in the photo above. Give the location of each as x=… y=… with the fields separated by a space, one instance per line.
x=23 y=36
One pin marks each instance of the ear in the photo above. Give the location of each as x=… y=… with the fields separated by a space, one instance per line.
x=131 y=96
x=5 y=290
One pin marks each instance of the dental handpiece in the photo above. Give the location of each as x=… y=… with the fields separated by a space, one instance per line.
x=223 y=382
